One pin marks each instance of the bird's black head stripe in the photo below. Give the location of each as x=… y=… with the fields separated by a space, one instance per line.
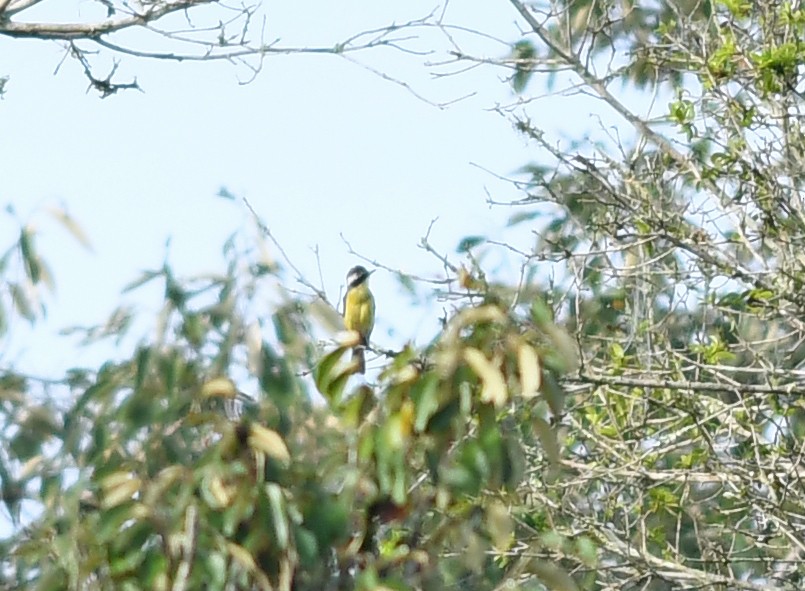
x=356 y=276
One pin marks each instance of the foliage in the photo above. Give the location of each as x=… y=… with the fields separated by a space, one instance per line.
x=679 y=273
x=148 y=481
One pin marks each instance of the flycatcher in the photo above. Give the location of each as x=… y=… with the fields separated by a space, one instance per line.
x=359 y=312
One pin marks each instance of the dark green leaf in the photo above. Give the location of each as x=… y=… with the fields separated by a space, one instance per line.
x=524 y=53
x=277 y=379
x=522 y=216
x=553 y=393
x=29 y=256
x=224 y=193
x=469 y=242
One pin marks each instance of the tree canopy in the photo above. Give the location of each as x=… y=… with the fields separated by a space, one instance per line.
x=627 y=414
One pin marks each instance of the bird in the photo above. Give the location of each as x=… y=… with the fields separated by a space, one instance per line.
x=359 y=312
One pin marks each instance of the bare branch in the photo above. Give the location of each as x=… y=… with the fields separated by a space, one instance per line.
x=300 y=277
x=73 y=31
x=227 y=39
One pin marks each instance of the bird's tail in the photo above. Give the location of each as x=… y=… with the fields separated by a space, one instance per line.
x=359 y=358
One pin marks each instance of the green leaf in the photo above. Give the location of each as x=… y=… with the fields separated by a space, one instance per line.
x=153 y=567
x=143 y=359
x=541 y=313
x=469 y=242
x=329 y=381
x=522 y=216
x=548 y=439
x=327 y=519
x=284 y=326
x=442 y=419
x=111 y=521
x=587 y=551
x=355 y=408
x=174 y=292
x=474 y=459
x=21 y=302
x=425 y=395
x=514 y=462
x=524 y=52
x=553 y=393
x=224 y=193
x=30 y=259
x=139 y=409
x=279 y=518
x=738 y=8
x=276 y=378
x=306 y=546
x=11 y=492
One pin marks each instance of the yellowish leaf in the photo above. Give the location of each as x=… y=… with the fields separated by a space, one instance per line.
x=553 y=577
x=328 y=316
x=493 y=385
x=219 y=388
x=165 y=478
x=221 y=493
x=471 y=316
x=349 y=338
x=565 y=346
x=115 y=479
x=71 y=226
x=31 y=466
x=500 y=526
x=269 y=442
x=397 y=430
x=119 y=488
x=530 y=368
x=254 y=347
x=406 y=374
x=241 y=556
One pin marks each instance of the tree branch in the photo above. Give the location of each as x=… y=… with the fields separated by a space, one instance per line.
x=73 y=31
x=602 y=380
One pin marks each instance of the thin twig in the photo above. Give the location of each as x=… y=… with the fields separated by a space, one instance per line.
x=299 y=275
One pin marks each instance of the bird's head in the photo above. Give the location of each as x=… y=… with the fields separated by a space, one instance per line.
x=357 y=275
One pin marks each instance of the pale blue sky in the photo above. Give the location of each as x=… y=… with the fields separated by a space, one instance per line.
x=320 y=146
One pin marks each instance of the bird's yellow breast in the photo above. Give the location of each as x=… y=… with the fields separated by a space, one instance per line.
x=359 y=310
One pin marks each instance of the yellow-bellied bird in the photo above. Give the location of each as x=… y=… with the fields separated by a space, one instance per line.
x=359 y=311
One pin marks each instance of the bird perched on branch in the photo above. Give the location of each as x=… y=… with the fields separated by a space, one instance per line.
x=359 y=312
